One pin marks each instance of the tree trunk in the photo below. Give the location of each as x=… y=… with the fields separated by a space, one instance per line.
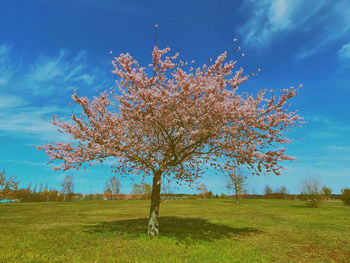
x=236 y=193
x=153 y=226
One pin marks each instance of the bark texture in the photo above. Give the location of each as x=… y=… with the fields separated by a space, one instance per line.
x=153 y=225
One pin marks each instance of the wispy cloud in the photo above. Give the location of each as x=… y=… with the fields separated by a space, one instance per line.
x=318 y=126
x=269 y=18
x=30 y=90
x=331 y=131
x=344 y=52
x=333 y=24
x=28 y=122
x=6 y=67
x=326 y=22
x=24 y=162
x=46 y=75
x=62 y=72
x=318 y=119
x=339 y=148
x=10 y=101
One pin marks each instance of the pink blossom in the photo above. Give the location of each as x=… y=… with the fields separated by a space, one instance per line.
x=173 y=121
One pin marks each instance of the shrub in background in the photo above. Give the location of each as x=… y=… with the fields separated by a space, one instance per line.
x=311 y=191
x=327 y=192
x=8 y=185
x=268 y=192
x=346 y=196
x=224 y=196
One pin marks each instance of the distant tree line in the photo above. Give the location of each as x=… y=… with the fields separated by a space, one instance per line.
x=280 y=193
x=311 y=191
x=9 y=190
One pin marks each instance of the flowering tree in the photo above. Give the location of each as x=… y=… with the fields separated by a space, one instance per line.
x=174 y=122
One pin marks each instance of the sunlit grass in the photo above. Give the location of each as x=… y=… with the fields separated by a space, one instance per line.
x=191 y=231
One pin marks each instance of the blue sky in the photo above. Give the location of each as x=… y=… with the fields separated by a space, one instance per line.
x=50 y=48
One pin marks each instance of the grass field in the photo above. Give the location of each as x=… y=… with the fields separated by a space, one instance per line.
x=191 y=231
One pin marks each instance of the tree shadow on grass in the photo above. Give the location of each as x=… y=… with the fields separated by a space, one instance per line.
x=301 y=206
x=175 y=227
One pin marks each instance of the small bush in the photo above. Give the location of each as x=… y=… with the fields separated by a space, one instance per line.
x=311 y=191
x=327 y=192
x=346 y=196
x=224 y=196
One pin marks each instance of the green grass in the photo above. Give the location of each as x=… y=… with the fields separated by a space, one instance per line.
x=190 y=231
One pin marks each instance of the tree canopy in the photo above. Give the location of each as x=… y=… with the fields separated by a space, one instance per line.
x=174 y=120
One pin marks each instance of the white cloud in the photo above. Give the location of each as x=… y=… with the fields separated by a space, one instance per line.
x=28 y=122
x=47 y=69
x=325 y=21
x=60 y=73
x=30 y=90
x=269 y=18
x=332 y=131
x=9 y=101
x=48 y=75
x=6 y=68
x=4 y=49
x=24 y=162
x=318 y=119
x=334 y=22
x=344 y=52
x=339 y=148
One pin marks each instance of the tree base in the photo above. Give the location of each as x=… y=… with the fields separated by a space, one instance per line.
x=153 y=225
